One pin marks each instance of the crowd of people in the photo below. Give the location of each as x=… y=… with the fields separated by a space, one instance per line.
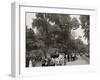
x=58 y=59
x=53 y=60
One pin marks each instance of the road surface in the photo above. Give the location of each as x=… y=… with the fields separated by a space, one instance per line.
x=80 y=60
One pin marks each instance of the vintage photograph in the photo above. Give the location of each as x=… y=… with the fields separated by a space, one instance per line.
x=54 y=39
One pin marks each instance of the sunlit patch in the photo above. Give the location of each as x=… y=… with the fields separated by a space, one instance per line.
x=35 y=30
x=79 y=33
x=52 y=23
x=76 y=16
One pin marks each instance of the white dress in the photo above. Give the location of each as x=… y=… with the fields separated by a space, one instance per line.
x=30 y=63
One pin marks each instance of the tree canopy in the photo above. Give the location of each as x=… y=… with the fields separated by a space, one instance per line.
x=54 y=31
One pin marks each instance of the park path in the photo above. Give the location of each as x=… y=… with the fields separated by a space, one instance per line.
x=80 y=60
x=38 y=64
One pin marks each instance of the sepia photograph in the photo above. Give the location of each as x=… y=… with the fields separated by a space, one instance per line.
x=54 y=39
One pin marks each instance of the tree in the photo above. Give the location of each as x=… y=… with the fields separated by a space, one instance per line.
x=85 y=23
x=56 y=35
x=75 y=23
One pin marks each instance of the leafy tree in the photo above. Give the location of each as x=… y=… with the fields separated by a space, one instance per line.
x=57 y=35
x=75 y=23
x=85 y=23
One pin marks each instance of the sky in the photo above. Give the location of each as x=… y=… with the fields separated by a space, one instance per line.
x=76 y=33
x=79 y=32
x=29 y=19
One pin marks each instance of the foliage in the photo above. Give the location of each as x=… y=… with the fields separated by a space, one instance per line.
x=85 y=25
x=54 y=31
